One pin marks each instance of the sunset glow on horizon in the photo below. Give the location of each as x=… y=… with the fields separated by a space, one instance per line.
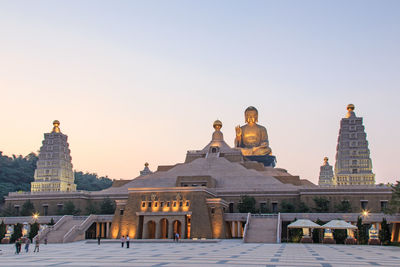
x=135 y=82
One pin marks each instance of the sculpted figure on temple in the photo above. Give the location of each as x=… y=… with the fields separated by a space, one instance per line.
x=252 y=138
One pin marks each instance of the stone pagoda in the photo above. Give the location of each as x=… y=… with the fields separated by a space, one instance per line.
x=353 y=163
x=326 y=174
x=54 y=167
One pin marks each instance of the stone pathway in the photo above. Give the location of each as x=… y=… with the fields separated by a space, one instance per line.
x=227 y=252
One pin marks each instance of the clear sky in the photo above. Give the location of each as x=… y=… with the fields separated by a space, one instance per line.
x=137 y=81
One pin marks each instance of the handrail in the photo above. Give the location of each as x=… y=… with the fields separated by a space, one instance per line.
x=278 y=229
x=246 y=226
x=77 y=228
x=55 y=227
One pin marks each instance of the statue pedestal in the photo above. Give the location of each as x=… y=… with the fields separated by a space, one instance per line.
x=267 y=160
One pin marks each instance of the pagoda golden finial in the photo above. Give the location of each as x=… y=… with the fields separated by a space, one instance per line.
x=350 y=107
x=217 y=125
x=350 y=110
x=56 y=128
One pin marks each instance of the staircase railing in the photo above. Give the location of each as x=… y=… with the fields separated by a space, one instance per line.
x=77 y=229
x=246 y=226
x=278 y=229
x=43 y=234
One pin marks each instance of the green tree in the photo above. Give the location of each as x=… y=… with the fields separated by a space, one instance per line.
x=302 y=207
x=384 y=233
x=92 y=208
x=51 y=222
x=3 y=230
x=394 y=204
x=247 y=204
x=317 y=234
x=27 y=208
x=69 y=209
x=339 y=235
x=295 y=234
x=287 y=207
x=107 y=206
x=362 y=232
x=17 y=232
x=91 y=181
x=344 y=206
x=321 y=204
x=34 y=230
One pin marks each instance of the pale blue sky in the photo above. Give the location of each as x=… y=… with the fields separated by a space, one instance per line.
x=143 y=81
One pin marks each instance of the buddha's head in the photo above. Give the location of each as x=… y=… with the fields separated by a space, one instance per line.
x=251 y=115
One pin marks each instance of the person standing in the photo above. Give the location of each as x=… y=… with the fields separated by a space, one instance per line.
x=177 y=237
x=98 y=240
x=27 y=242
x=122 y=241
x=19 y=241
x=127 y=241
x=37 y=243
x=16 y=246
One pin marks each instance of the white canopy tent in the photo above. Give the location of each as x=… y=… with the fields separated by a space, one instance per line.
x=338 y=224
x=304 y=223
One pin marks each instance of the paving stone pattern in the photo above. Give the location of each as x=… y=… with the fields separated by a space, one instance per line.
x=224 y=253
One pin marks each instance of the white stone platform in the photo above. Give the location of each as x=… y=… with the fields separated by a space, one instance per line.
x=224 y=253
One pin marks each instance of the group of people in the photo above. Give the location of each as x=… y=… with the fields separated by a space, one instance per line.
x=123 y=240
x=27 y=242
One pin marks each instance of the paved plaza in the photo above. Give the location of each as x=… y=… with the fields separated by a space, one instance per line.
x=224 y=253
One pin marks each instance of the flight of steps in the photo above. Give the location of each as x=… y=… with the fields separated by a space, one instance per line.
x=262 y=229
x=58 y=235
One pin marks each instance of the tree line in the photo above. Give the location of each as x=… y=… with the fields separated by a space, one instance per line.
x=16 y=174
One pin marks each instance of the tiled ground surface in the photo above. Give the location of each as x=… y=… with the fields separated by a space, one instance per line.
x=227 y=253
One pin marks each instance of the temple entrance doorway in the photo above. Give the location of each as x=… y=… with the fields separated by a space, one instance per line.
x=151 y=229
x=177 y=228
x=164 y=228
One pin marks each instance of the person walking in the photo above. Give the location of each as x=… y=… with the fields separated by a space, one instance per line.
x=37 y=243
x=122 y=241
x=16 y=246
x=98 y=240
x=127 y=241
x=19 y=241
x=177 y=237
x=27 y=242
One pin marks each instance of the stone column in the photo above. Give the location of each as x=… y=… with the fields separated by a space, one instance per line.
x=239 y=228
x=233 y=228
x=103 y=225
x=171 y=229
x=145 y=230
x=183 y=228
x=108 y=229
x=97 y=229
x=158 y=230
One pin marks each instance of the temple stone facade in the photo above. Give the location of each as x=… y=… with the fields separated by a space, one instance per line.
x=54 y=168
x=326 y=174
x=353 y=163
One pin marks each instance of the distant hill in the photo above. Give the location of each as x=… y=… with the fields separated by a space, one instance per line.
x=16 y=174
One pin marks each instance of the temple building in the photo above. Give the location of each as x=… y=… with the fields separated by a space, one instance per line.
x=54 y=167
x=202 y=196
x=326 y=174
x=353 y=162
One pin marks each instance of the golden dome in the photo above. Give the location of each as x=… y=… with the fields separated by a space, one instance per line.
x=146 y=164
x=217 y=124
x=350 y=107
x=326 y=159
x=56 y=123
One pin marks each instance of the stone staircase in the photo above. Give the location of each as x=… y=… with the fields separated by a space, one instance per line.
x=56 y=234
x=262 y=229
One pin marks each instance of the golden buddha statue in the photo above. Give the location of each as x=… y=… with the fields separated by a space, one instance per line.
x=252 y=138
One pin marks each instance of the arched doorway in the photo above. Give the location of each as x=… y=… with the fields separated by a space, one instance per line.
x=177 y=228
x=151 y=230
x=164 y=228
